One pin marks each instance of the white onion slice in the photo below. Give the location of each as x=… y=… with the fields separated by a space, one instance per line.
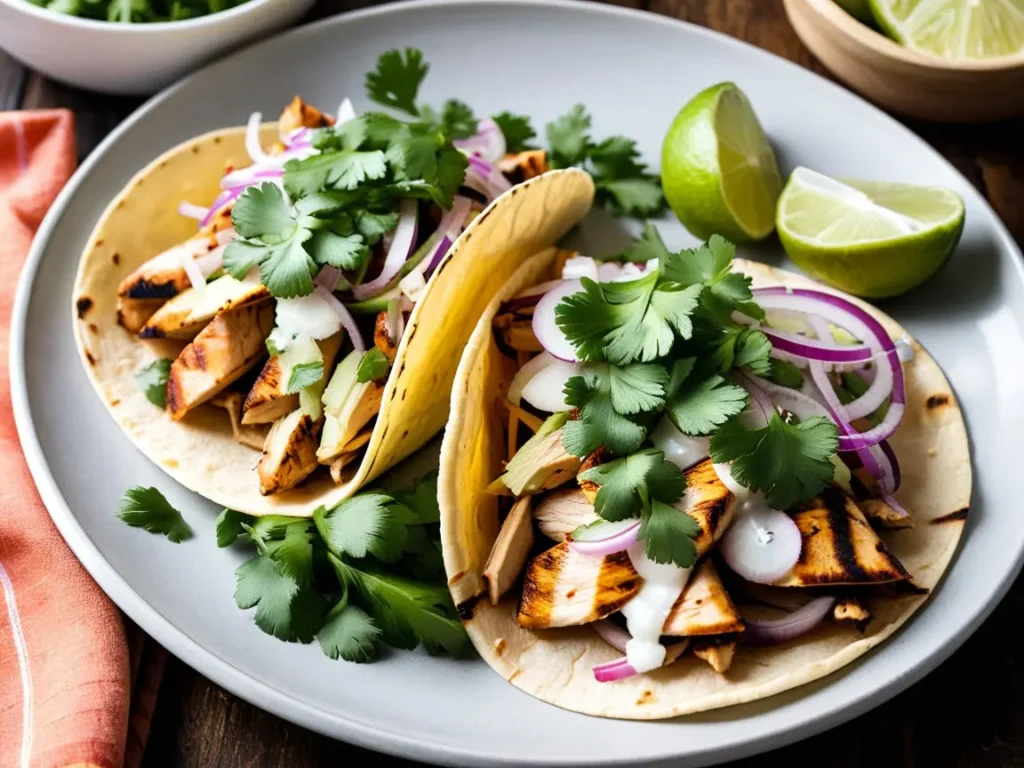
x=401 y=246
x=252 y=141
x=210 y=262
x=346 y=112
x=529 y=369
x=682 y=450
x=413 y=285
x=396 y=321
x=580 y=266
x=195 y=276
x=616 y=272
x=545 y=389
x=761 y=545
x=192 y=211
x=344 y=315
x=488 y=142
x=307 y=316
x=546 y=328
x=799 y=622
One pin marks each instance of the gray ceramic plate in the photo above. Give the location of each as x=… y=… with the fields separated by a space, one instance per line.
x=633 y=71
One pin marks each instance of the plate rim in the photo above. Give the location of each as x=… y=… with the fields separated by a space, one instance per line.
x=344 y=727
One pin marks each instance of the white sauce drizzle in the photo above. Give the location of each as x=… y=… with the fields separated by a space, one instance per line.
x=646 y=613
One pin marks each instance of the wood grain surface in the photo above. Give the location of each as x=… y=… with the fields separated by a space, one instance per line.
x=967 y=714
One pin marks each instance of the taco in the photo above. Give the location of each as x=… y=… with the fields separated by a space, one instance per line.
x=304 y=339
x=687 y=481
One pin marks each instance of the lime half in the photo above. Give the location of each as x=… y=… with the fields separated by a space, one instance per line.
x=869 y=238
x=717 y=168
x=954 y=29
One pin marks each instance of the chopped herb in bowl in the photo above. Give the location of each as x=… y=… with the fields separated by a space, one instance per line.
x=137 y=11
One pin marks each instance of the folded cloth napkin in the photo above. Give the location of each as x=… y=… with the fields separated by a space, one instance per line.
x=65 y=668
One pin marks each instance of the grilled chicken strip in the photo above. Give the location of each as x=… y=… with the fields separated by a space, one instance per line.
x=361 y=405
x=719 y=654
x=289 y=453
x=510 y=550
x=268 y=399
x=562 y=511
x=520 y=166
x=382 y=337
x=188 y=313
x=224 y=350
x=299 y=114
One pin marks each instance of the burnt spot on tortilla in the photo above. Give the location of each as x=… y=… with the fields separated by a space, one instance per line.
x=99 y=242
x=466 y=607
x=93 y=328
x=393 y=393
x=960 y=514
x=115 y=402
x=217 y=139
x=119 y=206
x=149 y=289
x=116 y=258
x=163 y=164
x=499 y=646
x=404 y=393
x=937 y=401
x=83 y=305
x=195 y=149
x=401 y=369
x=90 y=358
x=411 y=332
x=486 y=213
x=405 y=433
x=646 y=697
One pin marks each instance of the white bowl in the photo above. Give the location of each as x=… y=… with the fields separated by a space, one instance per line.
x=133 y=58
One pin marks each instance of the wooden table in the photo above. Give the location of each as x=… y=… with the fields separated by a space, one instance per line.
x=969 y=713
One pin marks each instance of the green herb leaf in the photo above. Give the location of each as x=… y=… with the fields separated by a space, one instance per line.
x=152 y=380
x=699 y=404
x=628 y=484
x=753 y=352
x=229 y=526
x=148 y=508
x=261 y=211
x=568 y=137
x=517 y=131
x=373 y=226
x=349 y=634
x=789 y=462
x=396 y=80
x=340 y=170
x=669 y=534
x=457 y=119
x=366 y=524
x=347 y=252
x=785 y=374
x=599 y=423
x=421 y=499
x=373 y=366
x=637 y=387
x=638 y=197
x=646 y=247
x=408 y=612
x=304 y=375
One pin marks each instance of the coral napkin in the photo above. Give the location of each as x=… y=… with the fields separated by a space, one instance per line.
x=65 y=668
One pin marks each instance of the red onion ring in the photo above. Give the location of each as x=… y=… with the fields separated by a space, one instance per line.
x=344 y=315
x=614 y=670
x=610 y=545
x=799 y=622
x=545 y=326
x=401 y=247
x=488 y=142
x=612 y=634
x=530 y=296
x=761 y=546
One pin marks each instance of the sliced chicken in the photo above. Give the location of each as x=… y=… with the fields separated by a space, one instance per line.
x=351 y=454
x=520 y=166
x=224 y=350
x=361 y=405
x=884 y=515
x=562 y=511
x=516 y=330
x=187 y=313
x=704 y=607
x=839 y=546
x=252 y=435
x=299 y=114
x=510 y=550
x=382 y=337
x=851 y=609
x=268 y=399
x=289 y=454
x=718 y=653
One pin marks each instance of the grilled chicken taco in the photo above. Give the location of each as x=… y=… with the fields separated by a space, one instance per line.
x=304 y=339
x=683 y=481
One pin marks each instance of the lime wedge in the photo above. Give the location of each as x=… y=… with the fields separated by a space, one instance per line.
x=868 y=238
x=954 y=29
x=859 y=9
x=717 y=168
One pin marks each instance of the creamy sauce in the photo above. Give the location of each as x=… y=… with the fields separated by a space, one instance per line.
x=646 y=613
x=904 y=351
x=682 y=450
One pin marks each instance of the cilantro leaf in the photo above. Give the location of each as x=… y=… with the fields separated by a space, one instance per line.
x=408 y=612
x=599 y=423
x=229 y=526
x=287 y=269
x=628 y=484
x=517 y=131
x=342 y=170
x=423 y=553
x=373 y=226
x=646 y=247
x=366 y=524
x=262 y=211
x=568 y=137
x=637 y=387
x=457 y=119
x=789 y=462
x=711 y=265
x=669 y=534
x=698 y=404
x=628 y=321
x=638 y=197
x=421 y=499
x=373 y=366
x=304 y=375
x=342 y=251
x=396 y=80
x=148 y=508
x=753 y=351
x=152 y=380
x=785 y=374
x=349 y=634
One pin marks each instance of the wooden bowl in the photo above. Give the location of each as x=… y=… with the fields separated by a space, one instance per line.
x=904 y=80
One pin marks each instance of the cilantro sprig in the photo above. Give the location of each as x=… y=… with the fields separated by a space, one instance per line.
x=149 y=509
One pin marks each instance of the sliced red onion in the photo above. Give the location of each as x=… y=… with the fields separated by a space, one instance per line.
x=488 y=142
x=612 y=634
x=799 y=622
x=328 y=277
x=494 y=181
x=396 y=321
x=346 y=112
x=448 y=231
x=300 y=137
x=345 y=316
x=545 y=326
x=193 y=211
x=401 y=247
x=622 y=535
x=761 y=545
x=764 y=407
x=223 y=199
x=246 y=177
x=614 y=670
x=817 y=349
x=530 y=296
x=896 y=507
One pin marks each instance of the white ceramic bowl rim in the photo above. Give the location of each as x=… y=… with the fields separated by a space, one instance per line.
x=67 y=20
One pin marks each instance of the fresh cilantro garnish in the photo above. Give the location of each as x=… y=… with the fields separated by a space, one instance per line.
x=599 y=423
x=789 y=462
x=397 y=78
x=785 y=374
x=366 y=524
x=517 y=130
x=628 y=321
x=373 y=366
x=408 y=612
x=147 y=508
x=623 y=182
x=644 y=248
x=456 y=118
x=710 y=265
x=229 y=526
x=669 y=534
x=152 y=380
x=304 y=375
x=349 y=633
x=699 y=401
x=628 y=484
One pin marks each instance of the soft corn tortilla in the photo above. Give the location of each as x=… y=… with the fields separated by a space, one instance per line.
x=555 y=665
x=200 y=451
